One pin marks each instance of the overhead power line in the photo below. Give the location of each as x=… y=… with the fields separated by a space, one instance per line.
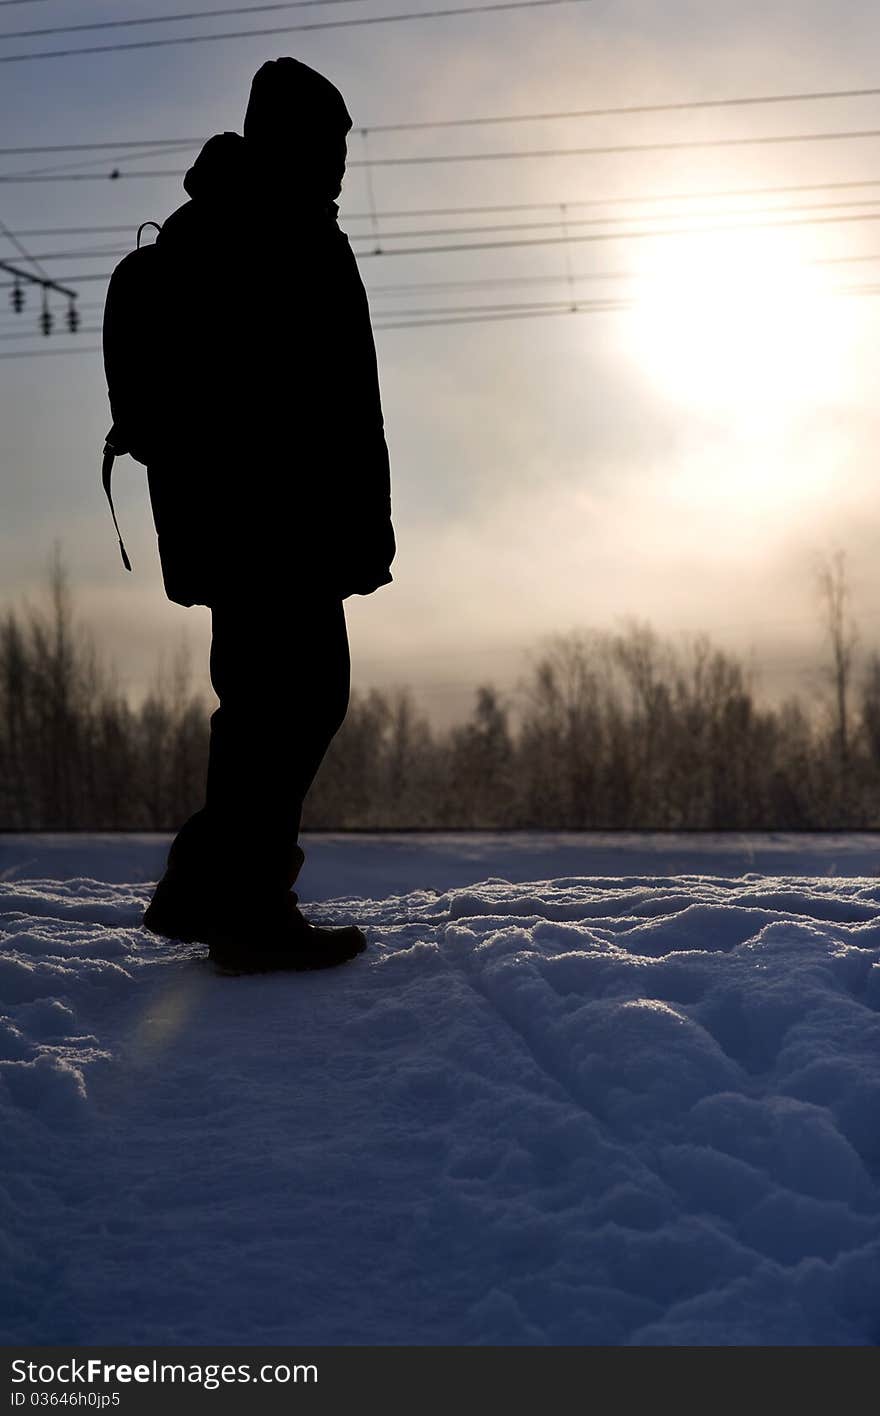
x=428 y=287
x=75 y=230
x=679 y=145
x=84 y=253
x=169 y=19
x=495 y=5
x=614 y=236
x=436 y=310
x=36 y=353
x=492 y=318
x=497 y=207
x=521 y=242
x=82 y=163
x=160 y=143
x=415 y=125
x=691 y=144
x=444 y=311
x=621 y=110
x=405 y=289
x=592 y=236
x=604 y=220
x=432 y=287
x=97 y=252
x=28 y=334
x=477 y=314
x=710 y=194
x=91 y=276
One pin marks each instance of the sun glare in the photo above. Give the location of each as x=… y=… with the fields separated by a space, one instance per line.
x=735 y=322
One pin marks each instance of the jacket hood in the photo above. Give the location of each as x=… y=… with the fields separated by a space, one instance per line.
x=219 y=170
x=230 y=171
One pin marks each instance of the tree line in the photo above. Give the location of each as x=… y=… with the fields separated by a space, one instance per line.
x=623 y=729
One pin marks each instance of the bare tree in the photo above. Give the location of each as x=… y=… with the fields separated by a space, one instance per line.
x=842 y=638
x=481 y=769
x=626 y=730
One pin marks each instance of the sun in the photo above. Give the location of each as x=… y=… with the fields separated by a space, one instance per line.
x=735 y=321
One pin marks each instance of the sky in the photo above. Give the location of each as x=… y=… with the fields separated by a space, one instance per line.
x=685 y=458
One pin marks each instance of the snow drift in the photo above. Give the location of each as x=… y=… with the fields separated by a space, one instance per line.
x=636 y=1110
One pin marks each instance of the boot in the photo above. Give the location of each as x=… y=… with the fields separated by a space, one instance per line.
x=181 y=912
x=264 y=942
x=251 y=939
x=201 y=870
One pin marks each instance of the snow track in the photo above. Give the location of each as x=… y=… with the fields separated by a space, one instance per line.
x=618 y=1110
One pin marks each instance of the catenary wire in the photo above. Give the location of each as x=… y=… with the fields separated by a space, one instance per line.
x=477 y=316
x=408 y=288
x=604 y=220
x=494 y=6
x=609 y=149
x=170 y=19
x=96 y=252
x=563 y=308
x=87 y=276
x=58 y=168
x=488 y=307
x=613 y=236
x=35 y=353
x=405 y=212
x=622 y=110
x=613 y=148
x=680 y=106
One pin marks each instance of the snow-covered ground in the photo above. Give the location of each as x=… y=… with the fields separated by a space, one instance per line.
x=386 y=864
x=578 y=1090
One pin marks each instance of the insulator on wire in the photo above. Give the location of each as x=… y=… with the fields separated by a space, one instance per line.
x=72 y=317
x=16 y=297
x=46 y=318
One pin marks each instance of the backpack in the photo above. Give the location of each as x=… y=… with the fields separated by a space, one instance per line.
x=131 y=355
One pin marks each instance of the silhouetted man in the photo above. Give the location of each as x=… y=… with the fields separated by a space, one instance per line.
x=269 y=481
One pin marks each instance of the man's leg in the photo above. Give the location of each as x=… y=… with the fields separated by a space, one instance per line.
x=283 y=692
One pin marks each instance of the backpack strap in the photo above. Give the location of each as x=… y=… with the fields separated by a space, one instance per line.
x=141 y=227
x=106 y=474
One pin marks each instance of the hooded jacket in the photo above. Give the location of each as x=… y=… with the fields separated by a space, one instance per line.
x=269 y=471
